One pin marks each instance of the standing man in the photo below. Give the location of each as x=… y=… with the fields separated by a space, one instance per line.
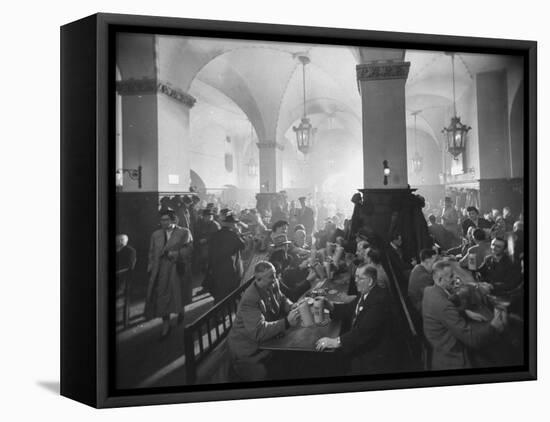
x=451 y=336
x=307 y=217
x=205 y=228
x=169 y=254
x=263 y=313
x=224 y=259
x=449 y=217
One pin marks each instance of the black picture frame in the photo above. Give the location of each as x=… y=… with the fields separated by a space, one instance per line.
x=87 y=169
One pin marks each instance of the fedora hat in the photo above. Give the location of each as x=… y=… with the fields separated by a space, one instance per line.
x=280 y=240
x=229 y=218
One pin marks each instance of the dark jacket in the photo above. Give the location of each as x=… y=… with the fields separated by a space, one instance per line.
x=224 y=263
x=367 y=343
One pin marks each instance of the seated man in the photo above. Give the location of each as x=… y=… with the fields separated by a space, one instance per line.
x=451 y=336
x=263 y=313
x=481 y=249
x=368 y=343
x=499 y=270
x=421 y=277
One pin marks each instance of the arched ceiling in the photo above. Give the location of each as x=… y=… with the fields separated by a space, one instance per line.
x=263 y=81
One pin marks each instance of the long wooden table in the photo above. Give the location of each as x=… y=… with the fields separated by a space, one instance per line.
x=303 y=339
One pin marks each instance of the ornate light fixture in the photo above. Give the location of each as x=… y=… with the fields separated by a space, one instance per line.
x=252 y=167
x=417 y=160
x=456 y=131
x=305 y=131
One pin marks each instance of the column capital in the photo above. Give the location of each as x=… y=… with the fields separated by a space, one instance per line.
x=382 y=70
x=270 y=145
x=147 y=86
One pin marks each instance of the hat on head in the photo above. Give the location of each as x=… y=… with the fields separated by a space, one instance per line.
x=229 y=217
x=208 y=211
x=302 y=198
x=187 y=200
x=280 y=240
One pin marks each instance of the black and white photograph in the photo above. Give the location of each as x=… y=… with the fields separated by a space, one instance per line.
x=291 y=211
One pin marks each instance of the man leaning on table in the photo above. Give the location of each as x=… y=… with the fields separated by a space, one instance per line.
x=367 y=344
x=263 y=313
x=452 y=336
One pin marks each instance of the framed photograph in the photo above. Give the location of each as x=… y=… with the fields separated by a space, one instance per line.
x=253 y=210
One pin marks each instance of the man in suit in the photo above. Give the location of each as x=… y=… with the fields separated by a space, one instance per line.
x=169 y=257
x=263 y=313
x=367 y=345
x=421 y=277
x=306 y=217
x=451 y=335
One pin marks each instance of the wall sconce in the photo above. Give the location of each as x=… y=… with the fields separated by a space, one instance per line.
x=134 y=174
x=387 y=171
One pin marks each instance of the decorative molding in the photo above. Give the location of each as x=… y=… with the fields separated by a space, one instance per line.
x=382 y=70
x=272 y=145
x=176 y=94
x=148 y=86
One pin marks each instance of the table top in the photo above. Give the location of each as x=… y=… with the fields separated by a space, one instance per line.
x=304 y=338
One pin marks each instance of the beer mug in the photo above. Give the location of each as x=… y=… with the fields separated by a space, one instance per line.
x=305 y=314
x=319 y=311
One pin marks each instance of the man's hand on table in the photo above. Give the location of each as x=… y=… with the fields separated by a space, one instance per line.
x=500 y=320
x=327 y=343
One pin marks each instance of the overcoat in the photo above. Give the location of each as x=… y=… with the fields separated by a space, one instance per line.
x=166 y=275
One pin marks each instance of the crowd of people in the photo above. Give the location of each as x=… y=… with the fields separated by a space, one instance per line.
x=461 y=293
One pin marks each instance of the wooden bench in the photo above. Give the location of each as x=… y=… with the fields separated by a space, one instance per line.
x=206 y=353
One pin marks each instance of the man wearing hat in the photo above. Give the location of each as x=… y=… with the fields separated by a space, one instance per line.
x=224 y=259
x=205 y=228
x=184 y=218
x=169 y=252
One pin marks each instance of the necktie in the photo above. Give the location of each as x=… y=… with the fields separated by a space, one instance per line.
x=358 y=309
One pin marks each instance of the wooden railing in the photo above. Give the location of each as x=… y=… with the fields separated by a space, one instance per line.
x=203 y=335
x=403 y=318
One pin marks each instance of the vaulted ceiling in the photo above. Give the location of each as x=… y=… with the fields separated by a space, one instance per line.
x=261 y=83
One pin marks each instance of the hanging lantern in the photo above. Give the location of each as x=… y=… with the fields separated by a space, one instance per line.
x=305 y=131
x=456 y=132
x=456 y=137
x=417 y=162
x=252 y=167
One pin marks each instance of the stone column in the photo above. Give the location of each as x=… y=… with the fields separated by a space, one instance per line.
x=387 y=209
x=270 y=166
x=382 y=87
x=155 y=124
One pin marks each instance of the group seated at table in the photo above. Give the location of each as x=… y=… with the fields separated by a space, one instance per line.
x=466 y=305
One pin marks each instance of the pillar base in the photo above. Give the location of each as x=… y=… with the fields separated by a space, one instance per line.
x=264 y=201
x=386 y=212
